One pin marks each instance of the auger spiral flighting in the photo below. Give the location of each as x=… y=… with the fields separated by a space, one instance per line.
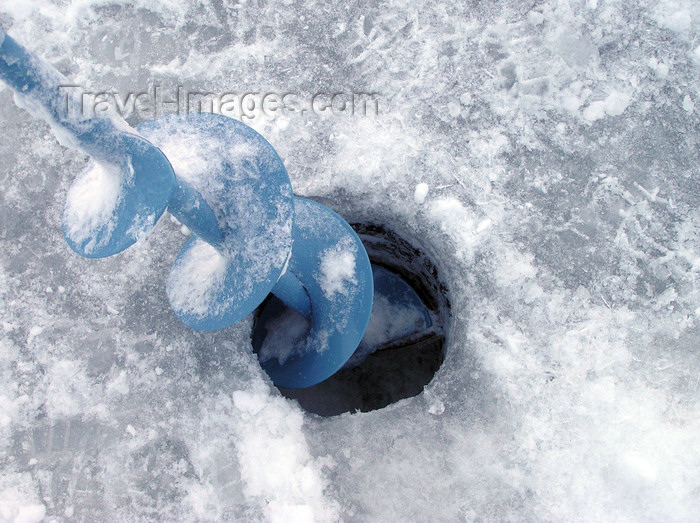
x=251 y=235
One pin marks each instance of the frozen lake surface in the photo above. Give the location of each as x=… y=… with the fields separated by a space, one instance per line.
x=559 y=148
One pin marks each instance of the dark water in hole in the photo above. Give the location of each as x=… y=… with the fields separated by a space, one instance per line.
x=385 y=377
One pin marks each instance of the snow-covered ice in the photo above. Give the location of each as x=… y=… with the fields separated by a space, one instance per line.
x=559 y=141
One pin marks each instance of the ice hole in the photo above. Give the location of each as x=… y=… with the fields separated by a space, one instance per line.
x=404 y=345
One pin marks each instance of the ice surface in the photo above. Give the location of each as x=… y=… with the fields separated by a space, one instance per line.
x=570 y=247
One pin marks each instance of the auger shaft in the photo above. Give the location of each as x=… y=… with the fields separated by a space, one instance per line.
x=38 y=86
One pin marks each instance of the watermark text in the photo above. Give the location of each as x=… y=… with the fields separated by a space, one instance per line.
x=156 y=101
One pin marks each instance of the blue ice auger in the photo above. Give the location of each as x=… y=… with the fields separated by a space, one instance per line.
x=252 y=236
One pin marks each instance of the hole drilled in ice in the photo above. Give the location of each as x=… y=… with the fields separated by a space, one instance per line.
x=402 y=348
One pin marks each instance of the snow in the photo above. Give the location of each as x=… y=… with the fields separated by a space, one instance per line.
x=595 y=111
x=616 y=103
x=568 y=238
x=659 y=67
x=420 y=193
x=286 y=337
x=17 y=503
x=30 y=514
x=195 y=280
x=688 y=104
x=91 y=203
x=279 y=469
x=337 y=269
x=187 y=157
